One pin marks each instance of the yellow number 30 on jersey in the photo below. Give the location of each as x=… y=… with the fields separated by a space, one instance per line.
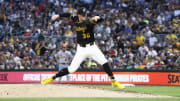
x=86 y=35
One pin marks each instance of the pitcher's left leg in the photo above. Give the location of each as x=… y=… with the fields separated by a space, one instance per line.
x=98 y=56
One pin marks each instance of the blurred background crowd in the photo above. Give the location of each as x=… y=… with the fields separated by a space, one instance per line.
x=135 y=34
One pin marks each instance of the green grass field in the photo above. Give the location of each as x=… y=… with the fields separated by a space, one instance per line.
x=90 y=99
x=160 y=90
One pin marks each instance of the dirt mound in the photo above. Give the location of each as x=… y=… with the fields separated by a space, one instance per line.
x=59 y=90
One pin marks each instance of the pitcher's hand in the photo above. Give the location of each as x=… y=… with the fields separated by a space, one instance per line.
x=95 y=18
x=54 y=17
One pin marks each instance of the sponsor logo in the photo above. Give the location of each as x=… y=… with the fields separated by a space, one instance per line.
x=3 y=77
x=174 y=78
x=139 y=78
x=88 y=77
x=36 y=77
x=105 y=78
x=31 y=77
x=132 y=77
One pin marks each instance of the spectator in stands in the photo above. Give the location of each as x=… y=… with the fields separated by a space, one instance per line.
x=152 y=40
x=177 y=63
x=152 y=52
x=143 y=50
x=171 y=37
x=140 y=39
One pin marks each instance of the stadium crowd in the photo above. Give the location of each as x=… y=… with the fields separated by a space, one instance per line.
x=135 y=34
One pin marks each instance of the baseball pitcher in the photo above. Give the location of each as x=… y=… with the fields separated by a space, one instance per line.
x=86 y=45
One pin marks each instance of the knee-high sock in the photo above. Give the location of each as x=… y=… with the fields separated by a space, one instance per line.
x=107 y=69
x=61 y=73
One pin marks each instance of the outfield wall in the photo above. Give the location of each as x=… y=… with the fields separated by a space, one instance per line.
x=94 y=77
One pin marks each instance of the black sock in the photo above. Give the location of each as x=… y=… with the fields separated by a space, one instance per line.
x=108 y=70
x=61 y=73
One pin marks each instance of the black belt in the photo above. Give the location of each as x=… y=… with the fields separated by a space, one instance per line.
x=84 y=45
x=63 y=63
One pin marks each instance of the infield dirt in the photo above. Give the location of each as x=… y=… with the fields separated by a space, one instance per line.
x=63 y=90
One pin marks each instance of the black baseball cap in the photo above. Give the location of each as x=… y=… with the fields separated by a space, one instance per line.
x=82 y=11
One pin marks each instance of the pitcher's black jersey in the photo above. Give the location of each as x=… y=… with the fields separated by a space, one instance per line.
x=84 y=29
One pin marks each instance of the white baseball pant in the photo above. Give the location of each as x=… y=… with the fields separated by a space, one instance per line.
x=84 y=52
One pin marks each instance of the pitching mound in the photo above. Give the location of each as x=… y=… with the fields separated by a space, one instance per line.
x=59 y=90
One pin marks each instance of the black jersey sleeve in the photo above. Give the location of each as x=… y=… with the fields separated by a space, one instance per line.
x=74 y=18
x=100 y=20
x=65 y=15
